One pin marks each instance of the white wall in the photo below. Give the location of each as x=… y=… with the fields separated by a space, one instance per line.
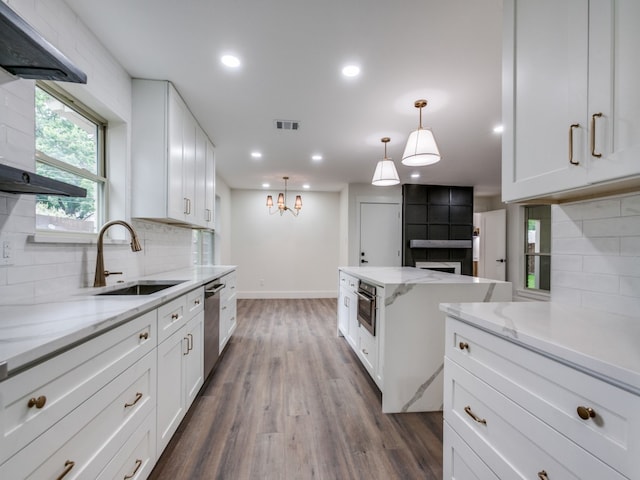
x=41 y=270
x=283 y=256
x=596 y=254
x=223 y=222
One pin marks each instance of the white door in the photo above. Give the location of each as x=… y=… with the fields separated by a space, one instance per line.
x=493 y=234
x=380 y=234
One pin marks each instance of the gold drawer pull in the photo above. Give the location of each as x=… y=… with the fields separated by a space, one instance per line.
x=474 y=416
x=585 y=413
x=463 y=346
x=365 y=351
x=189 y=341
x=37 y=402
x=135 y=470
x=542 y=475
x=174 y=316
x=68 y=465
x=593 y=134
x=138 y=397
x=197 y=302
x=144 y=335
x=571 y=161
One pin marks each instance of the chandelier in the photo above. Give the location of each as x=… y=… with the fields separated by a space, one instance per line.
x=282 y=202
x=421 y=146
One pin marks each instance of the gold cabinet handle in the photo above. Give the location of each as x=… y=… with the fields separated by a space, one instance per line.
x=542 y=475
x=68 y=465
x=144 y=335
x=137 y=399
x=189 y=342
x=197 y=301
x=187 y=352
x=463 y=346
x=174 y=316
x=467 y=409
x=135 y=470
x=365 y=351
x=593 y=135
x=573 y=125
x=585 y=413
x=37 y=402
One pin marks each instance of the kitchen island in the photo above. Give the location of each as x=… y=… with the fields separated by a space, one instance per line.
x=405 y=354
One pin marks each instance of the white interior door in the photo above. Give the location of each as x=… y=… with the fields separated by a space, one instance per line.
x=380 y=234
x=493 y=235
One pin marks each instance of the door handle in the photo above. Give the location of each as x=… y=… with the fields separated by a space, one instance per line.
x=364 y=261
x=501 y=260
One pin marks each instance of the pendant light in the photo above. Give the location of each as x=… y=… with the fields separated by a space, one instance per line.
x=386 y=173
x=421 y=146
x=282 y=202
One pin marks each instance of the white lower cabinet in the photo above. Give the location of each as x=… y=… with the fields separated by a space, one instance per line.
x=180 y=374
x=522 y=414
x=228 y=320
x=107 y=407
x=82 y=443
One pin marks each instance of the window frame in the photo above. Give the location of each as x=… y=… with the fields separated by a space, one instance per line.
x=100 y=178
x=526 y=290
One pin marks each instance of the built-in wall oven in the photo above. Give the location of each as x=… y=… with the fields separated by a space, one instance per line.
x=367 y=306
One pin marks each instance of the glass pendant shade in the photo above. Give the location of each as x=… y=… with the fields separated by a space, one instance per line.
x=280 y=200
x=421 y=149
x=298 y=204
x=385 y=174
x=269 y=201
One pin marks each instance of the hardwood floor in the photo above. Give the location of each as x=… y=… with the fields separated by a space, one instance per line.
x=290 y=400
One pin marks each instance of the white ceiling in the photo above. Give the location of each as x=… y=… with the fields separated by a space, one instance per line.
x=292 y=52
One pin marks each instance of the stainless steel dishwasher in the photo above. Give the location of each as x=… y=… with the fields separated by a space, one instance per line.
x=211 y=325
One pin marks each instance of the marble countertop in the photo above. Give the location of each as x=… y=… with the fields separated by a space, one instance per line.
x=410 y=276
x=31 y=332
x=602 y=344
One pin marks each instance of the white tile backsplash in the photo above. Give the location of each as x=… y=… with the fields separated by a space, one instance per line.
x=596 y=254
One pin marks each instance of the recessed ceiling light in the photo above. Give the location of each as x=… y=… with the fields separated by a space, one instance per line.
x=316 y=158
x=498 y=129
x=265 y=185
x=351 y=71
x=256 y=154
x=306 y=185
x=415 y=175
x=230 y=61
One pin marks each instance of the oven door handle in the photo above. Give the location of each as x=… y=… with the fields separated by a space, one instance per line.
x=365 y=297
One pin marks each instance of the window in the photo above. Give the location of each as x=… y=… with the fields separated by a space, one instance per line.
x=538 y=247
x=69 y=148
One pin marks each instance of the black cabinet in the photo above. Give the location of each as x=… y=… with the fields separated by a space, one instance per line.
x=436 y=212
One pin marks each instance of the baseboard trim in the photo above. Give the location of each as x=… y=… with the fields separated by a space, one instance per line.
x=306 y=294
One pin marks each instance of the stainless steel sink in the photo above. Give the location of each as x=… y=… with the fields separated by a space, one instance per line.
x=142 y=288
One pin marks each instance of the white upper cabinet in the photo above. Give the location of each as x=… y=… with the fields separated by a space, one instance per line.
x=169 y=158
x=570 y=107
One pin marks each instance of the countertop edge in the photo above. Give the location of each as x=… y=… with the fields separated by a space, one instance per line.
x=132 y=307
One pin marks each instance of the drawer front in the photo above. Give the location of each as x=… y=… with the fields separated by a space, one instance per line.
x=171 y=317
x=91 y=435
x=229 y=289
x=136 y=458
x=68 y=379
x=553 y=392
x=489 y=422
x=195 y=302
x=459 y=462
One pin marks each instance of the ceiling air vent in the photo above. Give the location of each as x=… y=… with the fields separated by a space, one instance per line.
x=287 y=124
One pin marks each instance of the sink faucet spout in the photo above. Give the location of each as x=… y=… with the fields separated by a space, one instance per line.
x=100 y=279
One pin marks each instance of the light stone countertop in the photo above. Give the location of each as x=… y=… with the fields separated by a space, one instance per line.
x=410 y=276
x=30 y=333
x=602 y=344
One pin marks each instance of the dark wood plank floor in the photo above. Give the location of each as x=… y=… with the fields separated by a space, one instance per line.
x=290 y=400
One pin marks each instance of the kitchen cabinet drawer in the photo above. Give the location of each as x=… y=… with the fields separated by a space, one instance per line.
x=67 y=380
x=171 y=317
x=136 y=458
x=490 y=423
x=348 y=281
x=195 y=302
x=459 y=462
x=229 y=290
x=83 y=442
x=553 y=392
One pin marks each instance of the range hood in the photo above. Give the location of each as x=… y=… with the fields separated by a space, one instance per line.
x=25 y=53
x=14 y=180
